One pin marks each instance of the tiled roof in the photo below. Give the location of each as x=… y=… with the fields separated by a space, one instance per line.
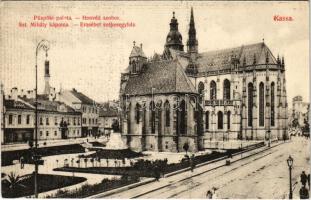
x=10 y=103
x=137 y=51
x=160 y=77
x=221 y=59
x=82 y=97
x=49 y=105
x=108 y=111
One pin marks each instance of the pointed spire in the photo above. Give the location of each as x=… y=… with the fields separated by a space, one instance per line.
x=283 y=63
x=173 y=14
x=192 y=42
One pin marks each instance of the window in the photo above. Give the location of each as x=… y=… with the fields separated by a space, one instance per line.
x=167 y=113
x=19 y=119
x=78 y=121
x=213 y=90
x=201 y=91
x=272 y=104
x=47 y=133
x=28 y=119
x=152 y=116
x=183 y=117
x=74 y=121
x=74 y=132
x=47 y=121
x=226 y=89
x=207 y=120
x=261 y=104
x=220 y=120
x=55 y=133
x=228 y=120
x=10 y=119
x=137 y=113
x=41 y=133
x=41 y=121
x=89 y=121
x=93 y=122
x=250 y=104
x=55 y=120
x=78 y=132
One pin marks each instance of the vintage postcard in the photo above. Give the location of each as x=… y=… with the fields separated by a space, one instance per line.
x=155 y=99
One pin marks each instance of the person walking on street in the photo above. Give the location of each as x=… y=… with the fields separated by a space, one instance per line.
x=209 y=194
x=308 y=181
x=303 y=193
x=192 y=162
x=303 y=178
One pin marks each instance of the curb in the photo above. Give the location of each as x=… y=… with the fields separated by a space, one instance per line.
x=121 y=189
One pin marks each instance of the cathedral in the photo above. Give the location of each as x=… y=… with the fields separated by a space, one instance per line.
x=186 y=98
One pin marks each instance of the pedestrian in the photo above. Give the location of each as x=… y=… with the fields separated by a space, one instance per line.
x=303 y=193
x=303 y=178
x=22 y=162
x=308 y=181
x=192 y=162
x=209 y=194
x=214 y=193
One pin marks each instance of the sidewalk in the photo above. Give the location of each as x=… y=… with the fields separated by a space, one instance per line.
x=164 y=182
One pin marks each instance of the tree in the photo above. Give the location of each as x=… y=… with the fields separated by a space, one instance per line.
x=186 y=147
x=14 y=180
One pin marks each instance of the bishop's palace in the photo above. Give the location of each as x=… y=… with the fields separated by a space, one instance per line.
x=202 y=98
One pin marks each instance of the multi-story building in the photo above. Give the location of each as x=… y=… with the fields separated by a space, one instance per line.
x=108 y=116
x=300 y=110
x=196 y=97
x=81 y=103
x=55 y=119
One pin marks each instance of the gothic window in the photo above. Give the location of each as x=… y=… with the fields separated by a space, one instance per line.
x=152 y=116
x=228 y=120
x=250 y=104
x=213 y=89
x=220 y=120
x=272 y=104
x=183 y=117
x=128 y=119
x=201 y=91
x=167 y=113
x=137 y=113
x=226 y=89
x=207 y=120
x=261 y=104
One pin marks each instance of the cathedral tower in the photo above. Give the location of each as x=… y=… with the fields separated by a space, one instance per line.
x=174 y=38
x=192 y=43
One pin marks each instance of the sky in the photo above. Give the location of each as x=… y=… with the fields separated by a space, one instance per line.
x=92 y=59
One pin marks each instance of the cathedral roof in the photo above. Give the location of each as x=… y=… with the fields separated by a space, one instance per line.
x=164 y=76
x=221 y=59
x=137 y=51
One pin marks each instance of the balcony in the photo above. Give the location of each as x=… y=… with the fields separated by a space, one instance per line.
x=219 y=102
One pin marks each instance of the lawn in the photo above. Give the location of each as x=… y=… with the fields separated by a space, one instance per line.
x=25 y=185
x=7 y=157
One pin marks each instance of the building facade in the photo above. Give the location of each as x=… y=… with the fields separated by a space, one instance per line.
x=88 y=107
x=229 y=94
x=300 y=110
x=108 y=117
x=55 y=119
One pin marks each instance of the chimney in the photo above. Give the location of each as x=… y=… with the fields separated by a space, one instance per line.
x=14 y=93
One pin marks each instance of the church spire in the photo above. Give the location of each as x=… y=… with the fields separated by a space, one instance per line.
x=174 y=38
x=192 y=42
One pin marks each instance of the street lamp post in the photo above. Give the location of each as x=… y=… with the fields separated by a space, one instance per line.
x=43 y=44
x=290 y=161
